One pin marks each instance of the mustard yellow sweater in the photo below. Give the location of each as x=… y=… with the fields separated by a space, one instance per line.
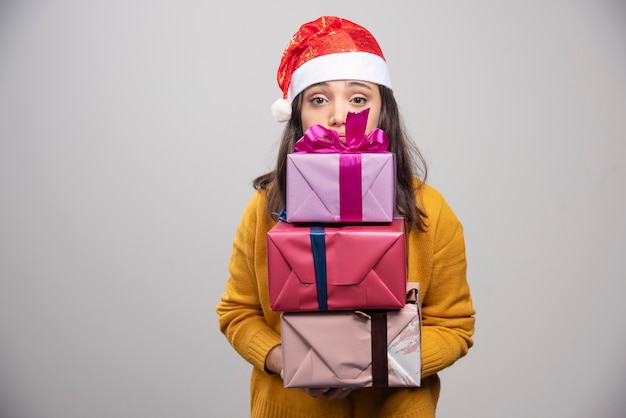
x=436 y=259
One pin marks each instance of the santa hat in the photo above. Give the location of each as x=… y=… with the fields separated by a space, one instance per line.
x=328 y=48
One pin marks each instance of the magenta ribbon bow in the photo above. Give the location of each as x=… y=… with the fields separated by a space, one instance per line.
x=318 y=139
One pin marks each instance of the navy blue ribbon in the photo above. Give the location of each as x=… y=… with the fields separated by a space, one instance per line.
x=282 y=215
x=318 y=247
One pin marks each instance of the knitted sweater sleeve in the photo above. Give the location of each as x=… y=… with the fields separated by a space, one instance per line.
x=447 y=310
x=243 y=311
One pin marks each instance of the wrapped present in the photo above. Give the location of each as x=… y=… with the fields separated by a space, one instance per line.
x=331 y=181
x=353 y=348
x=336 y=266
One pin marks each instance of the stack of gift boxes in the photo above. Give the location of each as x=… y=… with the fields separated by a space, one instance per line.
x=337 y=268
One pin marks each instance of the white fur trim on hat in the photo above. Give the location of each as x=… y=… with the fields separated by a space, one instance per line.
x=353 y=65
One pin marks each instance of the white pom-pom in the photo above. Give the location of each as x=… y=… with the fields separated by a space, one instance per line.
x=281 y=110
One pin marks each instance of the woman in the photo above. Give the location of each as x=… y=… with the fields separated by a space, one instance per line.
x=330 y=67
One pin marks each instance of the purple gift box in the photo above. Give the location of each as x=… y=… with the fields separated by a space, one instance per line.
x=332 y=181
x=316 y=192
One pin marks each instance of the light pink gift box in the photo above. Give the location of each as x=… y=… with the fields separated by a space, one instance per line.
x=315 y=192
x=346 y=349
x=360 y=266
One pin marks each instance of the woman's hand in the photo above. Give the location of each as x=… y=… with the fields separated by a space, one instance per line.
x=274 y=360
x=332 y=394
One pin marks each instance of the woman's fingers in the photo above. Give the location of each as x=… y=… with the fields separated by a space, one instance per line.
x=316 y=392
x=337 y=393
x=332 y=394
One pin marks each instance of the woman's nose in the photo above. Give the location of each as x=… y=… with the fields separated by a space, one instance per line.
x=338 y=116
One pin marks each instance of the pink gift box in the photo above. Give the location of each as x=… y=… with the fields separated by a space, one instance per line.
x=327 y=188
x=337 y=266
x=352 y=348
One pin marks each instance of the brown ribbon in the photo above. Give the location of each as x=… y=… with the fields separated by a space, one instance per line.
x=380 y=365
x=380 y=377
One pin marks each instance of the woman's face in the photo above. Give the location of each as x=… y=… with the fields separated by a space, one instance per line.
x=328 y=104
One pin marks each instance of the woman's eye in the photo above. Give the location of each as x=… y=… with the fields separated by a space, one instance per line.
x=359 y=100
x=317 y=100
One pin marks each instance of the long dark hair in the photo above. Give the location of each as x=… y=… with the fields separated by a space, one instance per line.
x=410 y=164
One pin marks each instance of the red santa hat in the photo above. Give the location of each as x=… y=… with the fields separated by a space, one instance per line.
x=328 y=48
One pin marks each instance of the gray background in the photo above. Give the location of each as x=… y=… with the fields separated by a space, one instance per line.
x=130 y=131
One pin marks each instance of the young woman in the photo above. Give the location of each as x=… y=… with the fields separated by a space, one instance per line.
x=330 y=67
